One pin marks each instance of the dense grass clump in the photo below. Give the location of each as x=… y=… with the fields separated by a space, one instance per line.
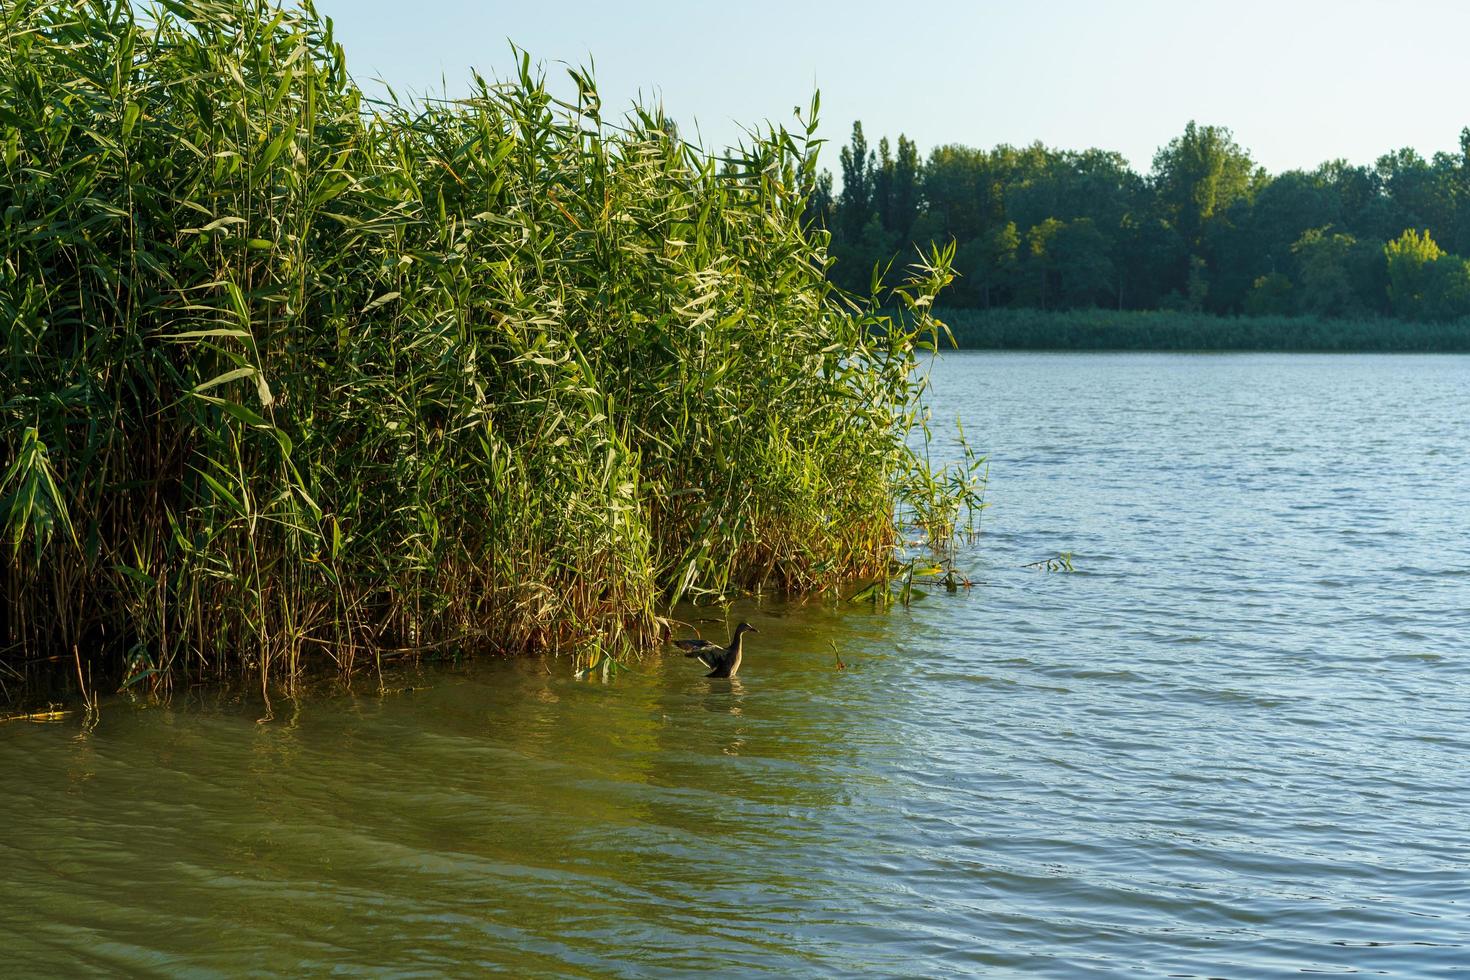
x=289 y=377
x=1094 y=329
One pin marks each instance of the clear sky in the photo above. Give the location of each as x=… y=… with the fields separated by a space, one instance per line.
x=1298 y=81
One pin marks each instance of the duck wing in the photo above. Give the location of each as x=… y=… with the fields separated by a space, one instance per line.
x=723 y=664
x=706 y=651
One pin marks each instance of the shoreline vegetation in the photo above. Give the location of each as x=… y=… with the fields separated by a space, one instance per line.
x=295 y=380
x=1157 y=330
x=1327 y=258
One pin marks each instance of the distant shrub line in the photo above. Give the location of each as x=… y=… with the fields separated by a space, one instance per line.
x=1094 y=329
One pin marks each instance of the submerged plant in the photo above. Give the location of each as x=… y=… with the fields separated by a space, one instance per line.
x=1061 y=562
x=291 y=376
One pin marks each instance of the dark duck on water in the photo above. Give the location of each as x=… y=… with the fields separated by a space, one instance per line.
x=722 y=661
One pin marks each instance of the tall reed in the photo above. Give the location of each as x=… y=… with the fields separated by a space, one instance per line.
x=293 y=377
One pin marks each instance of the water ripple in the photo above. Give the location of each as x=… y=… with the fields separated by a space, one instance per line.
x=1232 y=744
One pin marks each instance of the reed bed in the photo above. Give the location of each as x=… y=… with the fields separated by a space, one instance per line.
x=295 y=378
x=1095 y=329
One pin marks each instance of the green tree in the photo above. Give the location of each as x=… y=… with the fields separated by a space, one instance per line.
x=1270 y=295
x=873 y=252
x=1197 y=286
x=882 y=177
x=820 y=203
x=959 y=193
x=1458 y=181
x=903 y=200
x=1199 y=174
x=1148 y=252
x=856 y=202
x=1323 y=272
x=1083 y=267
x=1409 y=257
x=1284 y=209
x=1041 y=258
x=1447 y=291
x=988 y=265
x=1408 y=183
x=1196 y=289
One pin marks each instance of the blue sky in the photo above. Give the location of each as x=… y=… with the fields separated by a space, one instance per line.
x=1298 y=81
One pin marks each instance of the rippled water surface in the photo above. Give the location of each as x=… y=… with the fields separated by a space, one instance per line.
x=1236 y=742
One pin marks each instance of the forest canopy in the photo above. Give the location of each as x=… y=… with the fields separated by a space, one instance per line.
x=1206 y=230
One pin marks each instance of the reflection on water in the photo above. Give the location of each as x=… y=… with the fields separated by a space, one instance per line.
x=1232 y=744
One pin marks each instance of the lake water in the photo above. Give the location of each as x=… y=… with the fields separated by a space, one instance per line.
x=1235 y=743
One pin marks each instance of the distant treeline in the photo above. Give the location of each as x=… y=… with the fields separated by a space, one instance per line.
x=1207 y=230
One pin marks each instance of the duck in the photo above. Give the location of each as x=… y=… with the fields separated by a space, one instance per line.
x=723 y=661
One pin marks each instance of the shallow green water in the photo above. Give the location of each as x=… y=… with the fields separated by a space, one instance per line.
x=1234 y=744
